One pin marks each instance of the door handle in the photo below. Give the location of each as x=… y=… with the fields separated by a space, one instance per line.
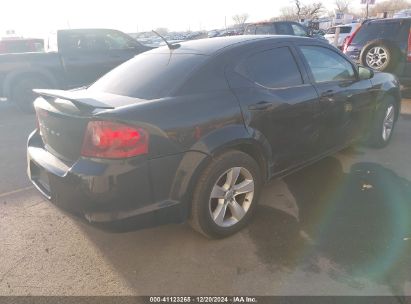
x=327 y=93
x=328 y=96
x=260 y=106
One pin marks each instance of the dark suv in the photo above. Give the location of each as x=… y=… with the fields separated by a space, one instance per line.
x=383 y=45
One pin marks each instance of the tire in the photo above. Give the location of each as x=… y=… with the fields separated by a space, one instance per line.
x=22 y=92
x=379 y=55
x=384 y=117
x=235 y=209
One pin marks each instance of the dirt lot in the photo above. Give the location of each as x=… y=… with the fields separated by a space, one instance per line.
x=339 y=227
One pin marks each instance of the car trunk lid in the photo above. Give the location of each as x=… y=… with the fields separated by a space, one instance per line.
x=63 y=117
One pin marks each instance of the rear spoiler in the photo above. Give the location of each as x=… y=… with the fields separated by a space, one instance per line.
x=78 y=98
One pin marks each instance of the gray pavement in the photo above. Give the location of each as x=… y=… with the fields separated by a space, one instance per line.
x=339 y=227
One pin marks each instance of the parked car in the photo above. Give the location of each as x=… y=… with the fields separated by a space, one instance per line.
x=213 y=33
x=345 y=31
x=193 y=132
x=383 y=45
x=73 y=58
x=21 y=45
x=280 y=28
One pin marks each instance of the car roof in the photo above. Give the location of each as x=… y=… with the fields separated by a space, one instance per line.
x=209 y=46
x=387 y=20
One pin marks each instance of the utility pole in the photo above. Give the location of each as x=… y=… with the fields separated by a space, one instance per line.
x=366 y=10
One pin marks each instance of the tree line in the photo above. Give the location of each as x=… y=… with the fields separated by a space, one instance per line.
x=300 y=10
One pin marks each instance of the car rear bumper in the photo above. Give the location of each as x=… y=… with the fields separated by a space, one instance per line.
x=100 y=191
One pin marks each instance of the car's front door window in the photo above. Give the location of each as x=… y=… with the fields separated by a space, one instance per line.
x=326 y=65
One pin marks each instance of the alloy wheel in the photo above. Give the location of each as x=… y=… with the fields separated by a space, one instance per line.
x=377 y=57
x=231 y=196
x=388 y=123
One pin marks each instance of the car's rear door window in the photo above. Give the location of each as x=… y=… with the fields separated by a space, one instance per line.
x=265 y=29
x=327 y=65
x=345 y=29
x=275 y=68
x=377 y=30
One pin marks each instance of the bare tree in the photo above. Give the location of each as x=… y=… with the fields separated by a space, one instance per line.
x=389 y=6
x=287 y=13
x=240 y=19
x=298 y=9
x=342 y=6
x=301 y=11
x=313 y=10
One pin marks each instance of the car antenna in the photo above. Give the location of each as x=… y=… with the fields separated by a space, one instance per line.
x=170 y=46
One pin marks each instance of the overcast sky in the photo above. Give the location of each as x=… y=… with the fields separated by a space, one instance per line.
x=37 y=17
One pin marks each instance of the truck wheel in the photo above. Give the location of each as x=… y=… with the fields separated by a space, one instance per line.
x=226 y=195
x=379 y=55
x=383 y=124
x=22 y=92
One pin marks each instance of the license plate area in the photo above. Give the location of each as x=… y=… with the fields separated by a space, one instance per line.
x=40 y=179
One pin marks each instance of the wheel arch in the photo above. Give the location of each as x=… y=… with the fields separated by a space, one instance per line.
x=395 y=95
x=208 y=148
x=15 y=76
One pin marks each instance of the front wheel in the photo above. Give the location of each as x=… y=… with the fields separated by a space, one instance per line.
x=226 y=195
x=383 y=124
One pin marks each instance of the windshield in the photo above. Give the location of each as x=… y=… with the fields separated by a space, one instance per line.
x=149 y=75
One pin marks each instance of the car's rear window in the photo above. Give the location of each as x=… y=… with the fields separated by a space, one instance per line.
x=149 y=75
x=343 y=30
x=376 y=30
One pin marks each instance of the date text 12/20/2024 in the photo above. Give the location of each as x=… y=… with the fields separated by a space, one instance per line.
x=204 y=299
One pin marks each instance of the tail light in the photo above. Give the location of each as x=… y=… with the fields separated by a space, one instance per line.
x=345 y=41
x=349 y=39
x=409 y=47
x=105 y=139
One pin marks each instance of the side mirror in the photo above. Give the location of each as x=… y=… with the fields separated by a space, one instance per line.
x=365 y=73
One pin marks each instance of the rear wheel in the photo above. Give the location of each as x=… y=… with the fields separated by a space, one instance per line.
x=22 y=92
x=226 y=195
x=379 y=55
x=383 y=124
